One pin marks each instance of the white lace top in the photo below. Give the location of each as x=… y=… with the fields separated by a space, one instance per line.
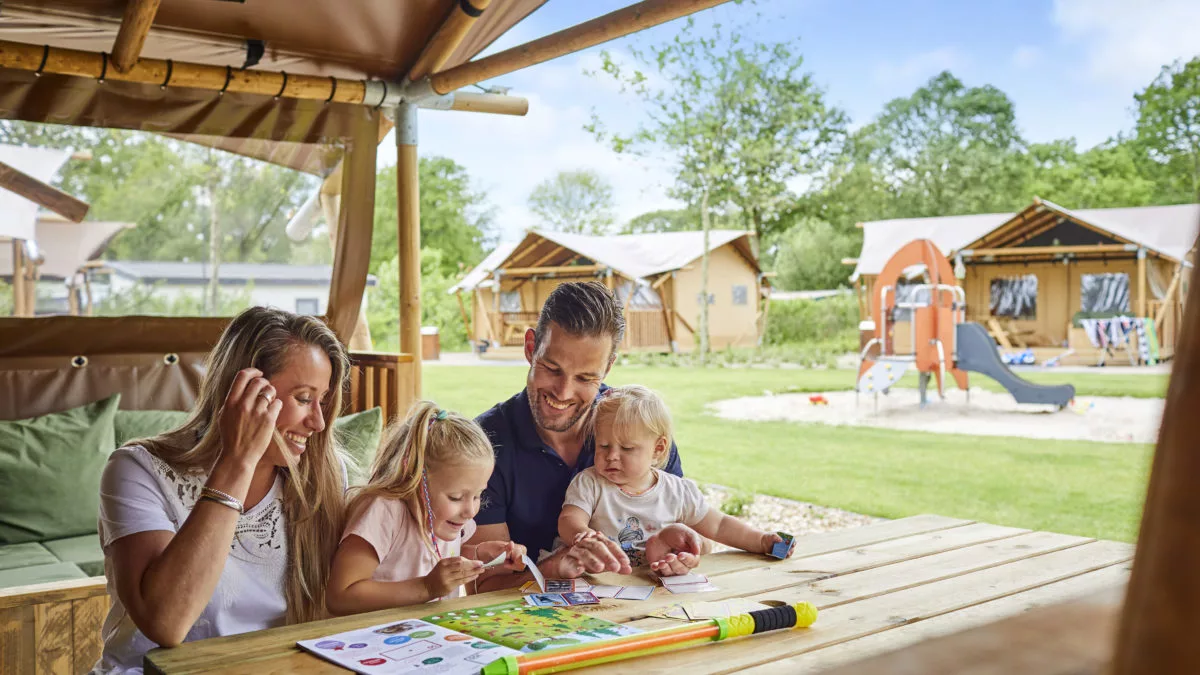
x=140 y=493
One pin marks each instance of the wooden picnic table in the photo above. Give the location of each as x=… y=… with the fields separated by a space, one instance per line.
x=879 y=588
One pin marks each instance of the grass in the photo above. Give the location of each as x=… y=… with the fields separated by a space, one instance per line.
x=1076 y=487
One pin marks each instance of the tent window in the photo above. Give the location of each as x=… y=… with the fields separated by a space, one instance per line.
x=1104 y=293
x=741 y=295
x=1015 y=297
x=510 y=301
x=308 y=306
x=644 y=297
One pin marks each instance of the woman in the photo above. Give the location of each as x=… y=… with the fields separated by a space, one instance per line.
x=229 y=523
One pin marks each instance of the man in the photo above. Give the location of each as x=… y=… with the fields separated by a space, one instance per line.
x=541 y=442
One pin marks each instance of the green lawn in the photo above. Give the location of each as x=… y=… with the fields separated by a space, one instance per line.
x=1076 y=487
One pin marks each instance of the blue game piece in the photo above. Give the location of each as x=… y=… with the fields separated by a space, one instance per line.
x=782 y=549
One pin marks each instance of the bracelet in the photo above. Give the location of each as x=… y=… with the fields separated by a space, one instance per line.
x=222 y=498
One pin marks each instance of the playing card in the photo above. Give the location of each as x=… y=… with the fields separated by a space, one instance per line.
x=693 y=588
x=495 y=562
x=605 y=591
x=634 y=593
x=546 y=600
x=682 y=579
x=582 y=598
x=560 y=585
x=541 y=580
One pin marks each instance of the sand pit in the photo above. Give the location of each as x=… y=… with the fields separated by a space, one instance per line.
x=1116 y=420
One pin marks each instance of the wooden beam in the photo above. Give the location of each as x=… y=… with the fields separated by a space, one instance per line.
x=543 y=259
x=135 y=26
x=849 y=261
x=462 y=310
x=565 y=269
x=408 y=203
x=447 y=38
x=684 y=322
x=496 y=104
x=662 y=279
x=613 y=25
x=516 y=258
x=1043 y=250
x=1168 y=298
x=1141 y=282
x=49 y=197
x=18 y=277
x=1161 y=615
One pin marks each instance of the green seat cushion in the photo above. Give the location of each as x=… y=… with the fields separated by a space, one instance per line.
x=135 y=424
x=24 y=555
x=40 y=574
x=84 y=551
x=359 y=435
x=50 y=470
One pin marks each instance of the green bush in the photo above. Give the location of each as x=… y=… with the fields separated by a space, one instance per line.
x=737 y=503
x=833 y=319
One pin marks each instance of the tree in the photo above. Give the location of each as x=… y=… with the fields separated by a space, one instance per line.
x=739 y=120
x=1168 y=128
x=947 y=149
x=455 y=219
x=438 y=307
x=1106 y=176
x=663 y=220
x=580 y=202
x=810 y=256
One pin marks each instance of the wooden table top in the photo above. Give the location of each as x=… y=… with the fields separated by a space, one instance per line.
x=879 y=588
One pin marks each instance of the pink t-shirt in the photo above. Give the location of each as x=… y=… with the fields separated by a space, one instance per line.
x=404 y=553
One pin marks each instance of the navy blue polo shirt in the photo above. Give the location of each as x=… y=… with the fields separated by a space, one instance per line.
x=530 y=480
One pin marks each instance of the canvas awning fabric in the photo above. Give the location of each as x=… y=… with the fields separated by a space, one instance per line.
x=1169 y=231
x=634 y=256
x=65 y=245
x=20 y=214
x=355 y=39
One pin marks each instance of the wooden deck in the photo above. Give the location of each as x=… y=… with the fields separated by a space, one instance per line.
x=879 y=588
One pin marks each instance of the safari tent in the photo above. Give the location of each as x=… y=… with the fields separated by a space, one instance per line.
x=656 y=276
x=307 y=84
x=1040 y=278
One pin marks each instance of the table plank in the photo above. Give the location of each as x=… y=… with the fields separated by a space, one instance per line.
x=851 y=620
x=1074 y=638
x=1108 y=579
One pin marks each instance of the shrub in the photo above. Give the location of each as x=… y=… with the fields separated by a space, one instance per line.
x=809 y=321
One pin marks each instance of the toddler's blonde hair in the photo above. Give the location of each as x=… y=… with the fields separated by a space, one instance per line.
x=635 y=410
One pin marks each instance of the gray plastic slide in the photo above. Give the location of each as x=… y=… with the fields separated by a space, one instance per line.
x=977 y=352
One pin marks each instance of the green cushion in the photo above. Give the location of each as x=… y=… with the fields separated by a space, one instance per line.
x=359 y=435
x=136 y=424
x=50 y=472
x=84 y=551
x=40 y=574
x=24 y=555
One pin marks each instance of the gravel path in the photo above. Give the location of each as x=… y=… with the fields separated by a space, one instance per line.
x=1097 y=418
x=775 y=514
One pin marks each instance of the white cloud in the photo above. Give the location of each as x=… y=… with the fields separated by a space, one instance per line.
x=1128 y=42
x=919 y=67
x=1026 y=56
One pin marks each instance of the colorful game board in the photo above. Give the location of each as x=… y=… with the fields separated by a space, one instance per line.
x=407 y=646
x=529 y=629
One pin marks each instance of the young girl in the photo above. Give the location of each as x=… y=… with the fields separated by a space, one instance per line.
x=626 y=497
x=404 y=542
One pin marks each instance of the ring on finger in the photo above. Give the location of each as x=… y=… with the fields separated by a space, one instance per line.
x=266 y=396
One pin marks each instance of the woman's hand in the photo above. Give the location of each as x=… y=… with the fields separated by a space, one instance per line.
x=450 y=573
x=593 y=554
x=488 y=550
x=247 y=418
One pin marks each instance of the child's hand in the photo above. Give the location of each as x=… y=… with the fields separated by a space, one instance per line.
x=769 y=539
x=670 y=564
x=512 y=560
x=586 y=534
x=449 y=574
x=674 y=550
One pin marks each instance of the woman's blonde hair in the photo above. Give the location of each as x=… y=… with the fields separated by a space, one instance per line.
x=634 y=411
x=429 y=438
x=314 y=495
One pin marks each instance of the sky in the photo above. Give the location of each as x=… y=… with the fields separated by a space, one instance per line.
x=1071 y=68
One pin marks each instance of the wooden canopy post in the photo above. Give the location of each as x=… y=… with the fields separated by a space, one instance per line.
x=462 y=310
x=356 y=217
x=1161 y=615
x=18 y=277
x=46 y=196
x=443 y=43
x=135 y=26
x=1141 y=282
x=408 y=207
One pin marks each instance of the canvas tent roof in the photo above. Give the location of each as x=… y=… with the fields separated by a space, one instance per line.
x=65 y=245
x=635 y=256
x=1167 y=230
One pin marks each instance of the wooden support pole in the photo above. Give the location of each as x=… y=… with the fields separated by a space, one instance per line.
x=495 y=316
x=1045 y=250
x=516 y=257
x=46 y=196
x=135 y=26
x=1141 y=282
x=551 y=254
x=565 y=269
x=613 y=25
x=18 y=277
x=496 y=104
x=447 y=38
x=462 y=310
x=1168 y=300
x=1161 y=615
x=409 y=237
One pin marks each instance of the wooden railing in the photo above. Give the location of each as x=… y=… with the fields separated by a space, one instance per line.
x=52 y=628
x=379 y=379
x=646 y=329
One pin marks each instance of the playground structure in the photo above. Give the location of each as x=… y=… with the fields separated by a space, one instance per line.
x=941 y=341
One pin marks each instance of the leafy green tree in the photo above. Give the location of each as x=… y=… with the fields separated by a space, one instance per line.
x=579 y=202
x=455 y=218
x=1168 y=128
x=438 y=307
x=1105 y=176
x=810 y=256
x=663 y=220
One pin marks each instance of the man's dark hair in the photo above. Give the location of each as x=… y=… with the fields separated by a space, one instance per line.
x=582 y=308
